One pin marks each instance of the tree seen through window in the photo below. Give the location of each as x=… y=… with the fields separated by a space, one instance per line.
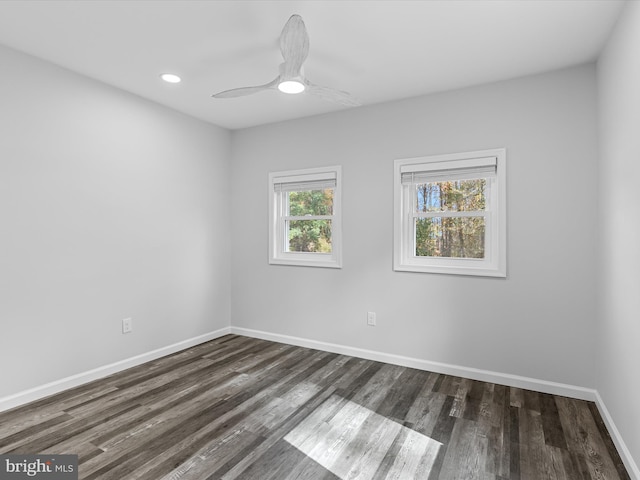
x=313 y=234
x=453 y=234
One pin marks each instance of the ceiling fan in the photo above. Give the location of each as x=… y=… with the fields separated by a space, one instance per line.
x=294 y=46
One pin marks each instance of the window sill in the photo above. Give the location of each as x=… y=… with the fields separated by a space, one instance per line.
x=305 y=263
x=452 y=270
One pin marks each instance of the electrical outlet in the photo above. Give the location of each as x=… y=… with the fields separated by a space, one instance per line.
x=127 y=325
x=371 y=319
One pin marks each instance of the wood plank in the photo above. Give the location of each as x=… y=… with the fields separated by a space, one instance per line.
x=608 y=441
x=551 y=425
x=583 y=437
x=466 y=451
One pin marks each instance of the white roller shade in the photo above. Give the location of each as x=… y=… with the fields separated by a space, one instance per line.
x=296 y=183
x=443 y=171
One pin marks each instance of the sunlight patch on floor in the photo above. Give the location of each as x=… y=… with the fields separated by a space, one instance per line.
x=352 y=441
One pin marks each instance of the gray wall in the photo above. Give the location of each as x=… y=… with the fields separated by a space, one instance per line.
x=618 y=355
x=110 y=207
x=539 y=322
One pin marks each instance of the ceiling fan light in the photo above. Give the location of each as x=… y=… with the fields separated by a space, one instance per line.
x=170 y=78
x=291 y=86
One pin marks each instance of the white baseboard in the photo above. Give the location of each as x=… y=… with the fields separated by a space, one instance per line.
x=57 y=386
x=437 y=367
x=625 y=454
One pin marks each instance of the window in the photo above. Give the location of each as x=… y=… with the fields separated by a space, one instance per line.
x=305 y=226
x=450 y=214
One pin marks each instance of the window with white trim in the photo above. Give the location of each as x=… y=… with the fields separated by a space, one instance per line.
x=305 y=217
x=450 y=214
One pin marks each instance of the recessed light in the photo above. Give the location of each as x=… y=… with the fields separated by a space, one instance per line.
x=170 y=78
x=291 y=86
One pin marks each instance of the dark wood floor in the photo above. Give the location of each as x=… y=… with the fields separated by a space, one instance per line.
x=241 y=408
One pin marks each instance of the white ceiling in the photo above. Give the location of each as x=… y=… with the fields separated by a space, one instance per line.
x=377 y=50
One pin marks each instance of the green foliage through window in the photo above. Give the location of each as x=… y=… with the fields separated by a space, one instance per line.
x=455 y=196
x=313 y=235
x=450 y=236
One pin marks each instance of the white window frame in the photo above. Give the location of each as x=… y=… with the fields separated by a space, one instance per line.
x=439 y=167
x=278 y=253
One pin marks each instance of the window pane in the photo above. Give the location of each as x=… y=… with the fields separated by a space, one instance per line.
x=450 y=237
x=454 y=196
x=309 y=236
x=311 y=202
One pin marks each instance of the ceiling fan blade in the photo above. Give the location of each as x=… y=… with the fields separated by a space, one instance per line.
x=332 y=95
x=294 y=45
x=242 y=91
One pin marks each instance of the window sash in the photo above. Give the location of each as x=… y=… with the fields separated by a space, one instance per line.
x=282 y=222
x=448 y=214
x=307 y=217
x=285 y=206
x=412 y=234
x=410 y=198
